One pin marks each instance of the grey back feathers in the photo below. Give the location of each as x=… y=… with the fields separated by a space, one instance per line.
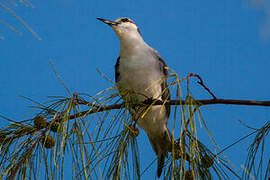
x=166 y=95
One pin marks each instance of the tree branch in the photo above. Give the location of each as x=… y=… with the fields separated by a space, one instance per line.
x=201 y=102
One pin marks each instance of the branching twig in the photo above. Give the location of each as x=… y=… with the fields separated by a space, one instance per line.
x=201 y=83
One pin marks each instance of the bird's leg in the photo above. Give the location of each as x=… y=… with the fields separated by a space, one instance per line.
x=133 y=130
x=134 y=120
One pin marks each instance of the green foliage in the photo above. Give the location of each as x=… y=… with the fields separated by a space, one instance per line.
x=254 y=163
x=97 y=132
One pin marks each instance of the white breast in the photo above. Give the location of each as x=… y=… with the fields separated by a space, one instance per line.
x=140 y=73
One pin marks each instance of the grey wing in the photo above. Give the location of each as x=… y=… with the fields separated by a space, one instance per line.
x=162 y=151
x=164 y=87
x=166 y=96
x=116 y=69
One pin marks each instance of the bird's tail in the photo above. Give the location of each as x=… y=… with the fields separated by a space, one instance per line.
x=161 y=145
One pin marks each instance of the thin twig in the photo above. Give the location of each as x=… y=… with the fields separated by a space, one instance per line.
x=202 y=84
x=59 y=78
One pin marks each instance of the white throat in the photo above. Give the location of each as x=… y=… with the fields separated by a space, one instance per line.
x=130 y=44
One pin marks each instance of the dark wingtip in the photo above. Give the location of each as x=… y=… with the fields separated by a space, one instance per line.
x=160 y=165
x=159 y=172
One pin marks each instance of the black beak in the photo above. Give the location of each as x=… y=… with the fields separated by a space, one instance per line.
x=110 y=23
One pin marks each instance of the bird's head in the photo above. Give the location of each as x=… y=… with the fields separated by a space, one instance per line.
x=123 y=27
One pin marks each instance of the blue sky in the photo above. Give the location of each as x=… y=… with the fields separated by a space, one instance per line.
x=222 y=41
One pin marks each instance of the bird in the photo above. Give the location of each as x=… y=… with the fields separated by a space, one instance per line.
x=141 y=75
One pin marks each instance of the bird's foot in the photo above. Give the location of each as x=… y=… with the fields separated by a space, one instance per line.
x=133 y=130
